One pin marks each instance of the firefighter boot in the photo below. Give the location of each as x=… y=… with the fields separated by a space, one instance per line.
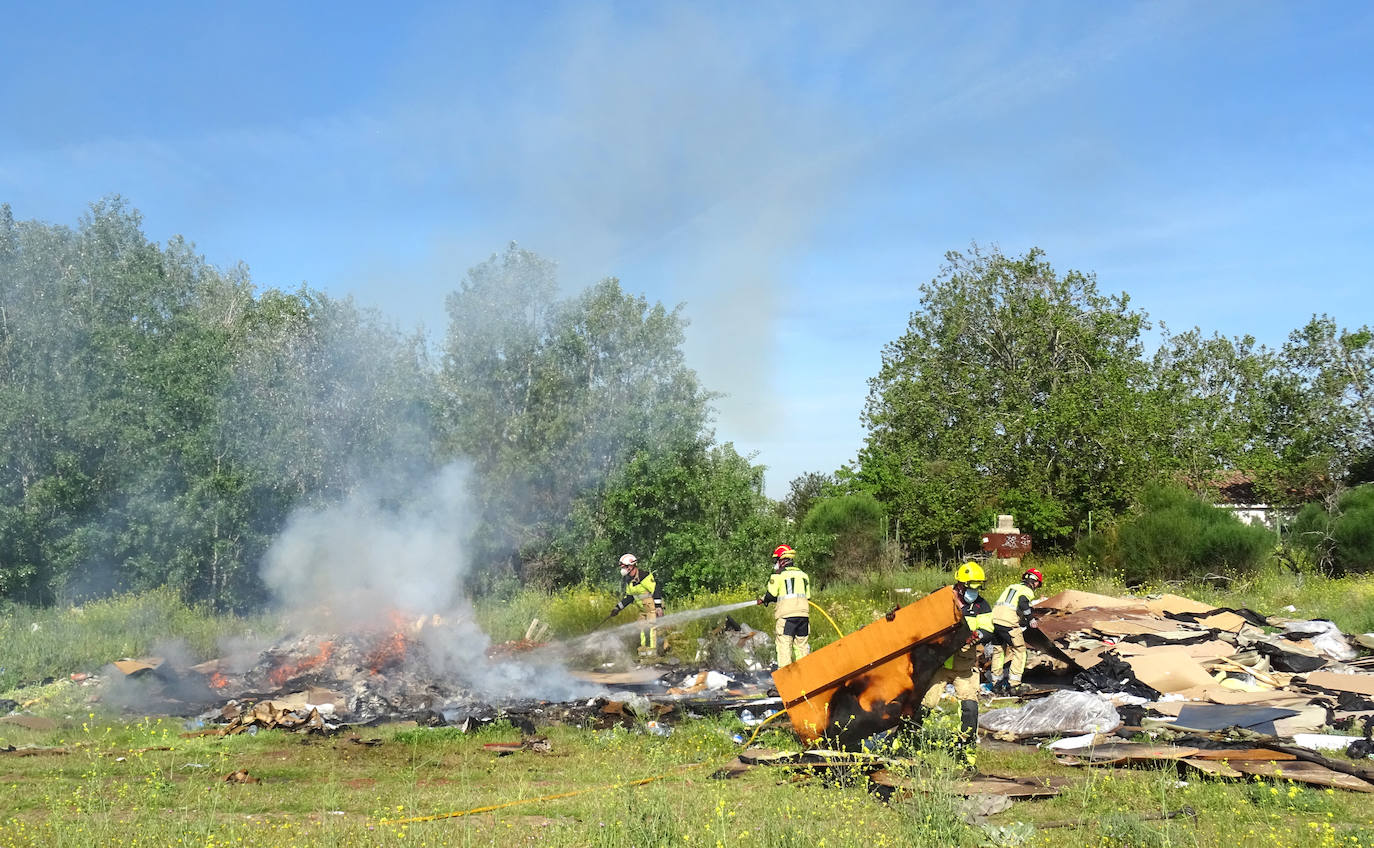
x=968 y=733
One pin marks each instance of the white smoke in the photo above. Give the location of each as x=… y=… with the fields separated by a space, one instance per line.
x=377 y=559
x=371 y=555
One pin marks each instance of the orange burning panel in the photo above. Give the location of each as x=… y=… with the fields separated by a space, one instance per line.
x=869 y=680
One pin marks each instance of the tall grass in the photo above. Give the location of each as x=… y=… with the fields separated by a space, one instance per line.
x=38 y=643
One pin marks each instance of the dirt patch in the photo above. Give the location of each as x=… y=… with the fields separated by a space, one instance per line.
x=360 y=783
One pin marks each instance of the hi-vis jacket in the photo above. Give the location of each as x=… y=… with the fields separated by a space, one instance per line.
x=1013 y=607
x=791 y=588
x=644 y=591
x=978 y=617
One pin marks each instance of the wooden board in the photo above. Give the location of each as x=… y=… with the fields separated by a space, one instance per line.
x=1304 y=772
x=1263 y=755
x=866 y=682
x=1212 y=768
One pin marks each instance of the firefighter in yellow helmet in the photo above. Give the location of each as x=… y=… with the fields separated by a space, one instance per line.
x=790 y=589
x=962 y=668
x=640 y=587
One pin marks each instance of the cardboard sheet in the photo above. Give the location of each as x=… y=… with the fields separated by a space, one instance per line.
x=1202 y=651
x=1072 y=600
x=1169 y=670
x=623 y=678
x=1362 y=684
x=1165 y=604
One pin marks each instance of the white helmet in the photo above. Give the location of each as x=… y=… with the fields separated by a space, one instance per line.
x=628 y=560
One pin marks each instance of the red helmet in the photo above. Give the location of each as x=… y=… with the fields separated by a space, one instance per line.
x=784 y=552
x=1034 y=574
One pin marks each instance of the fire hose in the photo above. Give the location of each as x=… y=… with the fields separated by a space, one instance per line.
x=827 y=617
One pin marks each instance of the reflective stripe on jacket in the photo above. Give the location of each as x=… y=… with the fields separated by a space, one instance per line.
x=1013 y=606
x=644 y=592
x=792 y=588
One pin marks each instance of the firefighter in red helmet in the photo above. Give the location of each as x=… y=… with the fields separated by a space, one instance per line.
x=790 y=589
x=1011 y=615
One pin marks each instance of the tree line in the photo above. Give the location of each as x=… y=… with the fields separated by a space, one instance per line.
x=160 y=418
x=1016 y=389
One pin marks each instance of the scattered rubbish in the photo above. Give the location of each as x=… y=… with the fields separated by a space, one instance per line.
x=538 y=744
x=1326 y=638
x=1324 y=742
x=1111 y=674
x=656 y=729
x=7 y=706
x=241 y=776
x=79 y=676
x=1073 y=743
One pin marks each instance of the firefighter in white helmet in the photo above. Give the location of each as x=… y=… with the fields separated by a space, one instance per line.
x=790 y=589
x=640 y=587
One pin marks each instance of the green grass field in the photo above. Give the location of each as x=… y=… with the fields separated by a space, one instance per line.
x=141 y=783
x=137 y=781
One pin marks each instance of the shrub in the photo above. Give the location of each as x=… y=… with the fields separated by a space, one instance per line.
x=847 y=533
x=1175 y=535
x=1340 y=541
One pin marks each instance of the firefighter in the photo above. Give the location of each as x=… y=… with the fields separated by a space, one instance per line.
x=1011 y=615
x=640 y=587
x=790 y=589
x=962 y=668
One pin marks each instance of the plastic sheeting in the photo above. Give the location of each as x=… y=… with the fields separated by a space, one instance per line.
x=1062 y=714
x=1111 y=674
x=1327 y=638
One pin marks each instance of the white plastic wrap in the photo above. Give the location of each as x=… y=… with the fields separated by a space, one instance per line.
x=1326 y=637
x=1065 y=713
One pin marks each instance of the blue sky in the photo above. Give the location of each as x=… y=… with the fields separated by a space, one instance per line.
x=791 y=171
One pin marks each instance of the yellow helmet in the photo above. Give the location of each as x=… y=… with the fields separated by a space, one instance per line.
x=970 y=574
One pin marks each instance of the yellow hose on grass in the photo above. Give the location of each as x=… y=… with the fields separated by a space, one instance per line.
x=827 y=617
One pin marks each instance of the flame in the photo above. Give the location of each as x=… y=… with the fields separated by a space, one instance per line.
x=392 y=648
x=283 y=673
x=218 y=681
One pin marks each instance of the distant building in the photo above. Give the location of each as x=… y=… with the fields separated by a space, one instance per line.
x=1236 y=493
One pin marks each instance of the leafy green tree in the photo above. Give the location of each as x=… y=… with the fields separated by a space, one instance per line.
x=804 y=491
x=1211 y=394
x=552 y=398
x=1321 y=411
x=141 y=441
x=1015 y=390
